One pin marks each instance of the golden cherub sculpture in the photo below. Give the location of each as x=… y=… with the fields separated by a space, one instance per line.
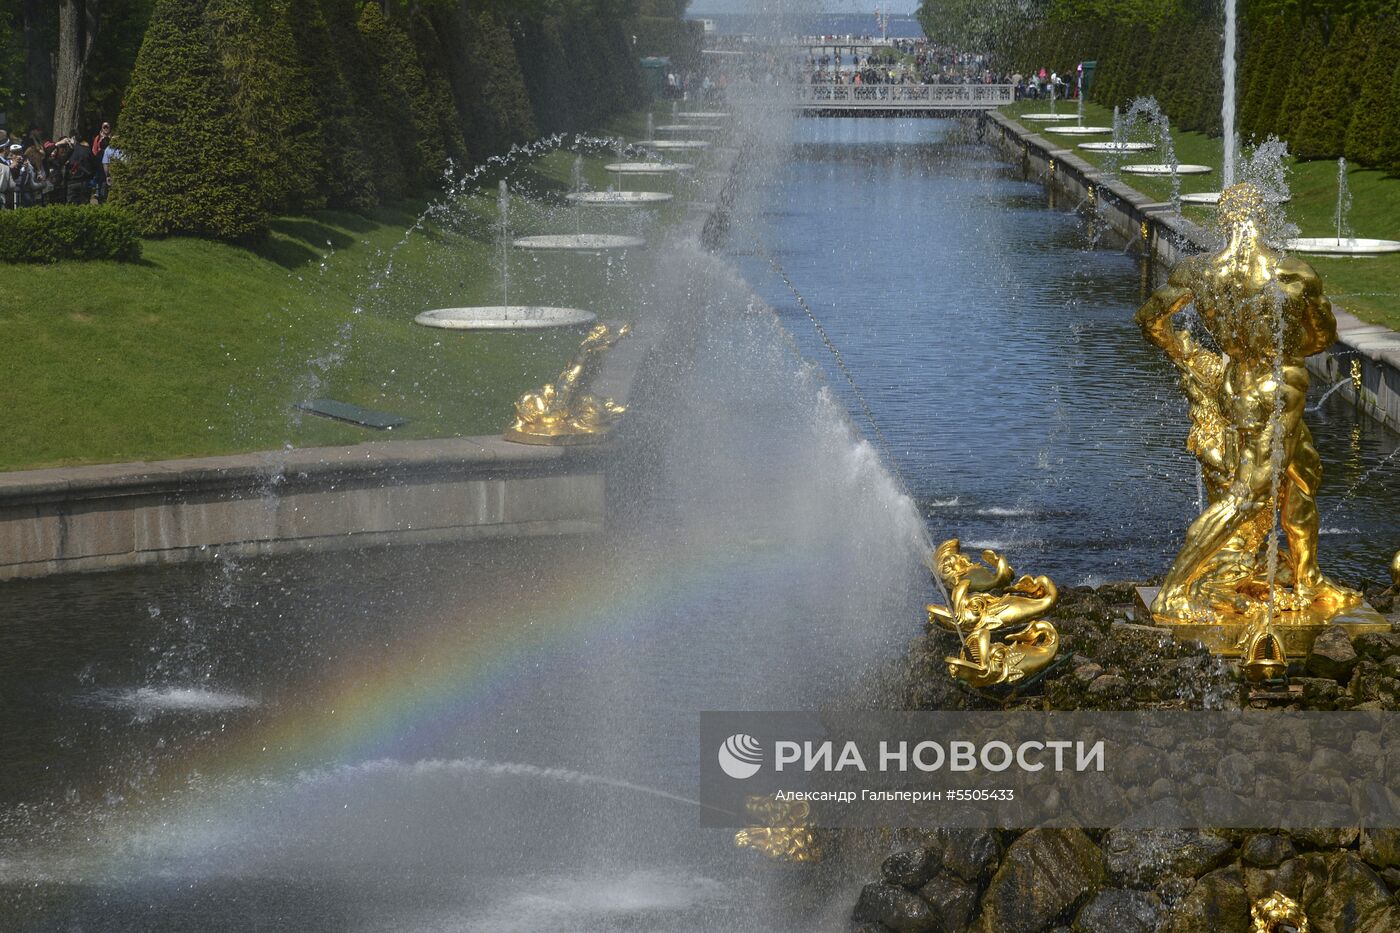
x=563 y=412
x=1266 y=313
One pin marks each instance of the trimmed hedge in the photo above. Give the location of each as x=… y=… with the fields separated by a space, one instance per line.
x=69 y=231
x=1327 y=96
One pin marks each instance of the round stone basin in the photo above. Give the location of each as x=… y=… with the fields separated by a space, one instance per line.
x=648 y=168
x=620 y=198
x=1346 y=246
x=1213 y=197
x=689 y=128
x=1157 y=168
x=702 y=115
x=580 y=242
x=680 y=144
x=1080 y=130
x=1116 y=147
x=1049 y=116
x=496 y=317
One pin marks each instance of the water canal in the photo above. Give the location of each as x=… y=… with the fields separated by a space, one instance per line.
x=502 y=737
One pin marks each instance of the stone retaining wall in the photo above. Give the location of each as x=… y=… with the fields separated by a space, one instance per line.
x=1170 y=238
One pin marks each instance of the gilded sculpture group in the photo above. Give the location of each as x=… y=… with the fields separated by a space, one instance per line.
x=1246 y=579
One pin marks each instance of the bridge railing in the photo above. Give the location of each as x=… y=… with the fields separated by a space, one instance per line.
x=903 y=96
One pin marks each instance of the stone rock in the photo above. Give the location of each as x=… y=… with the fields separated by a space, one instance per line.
x=1319 y=693
x=1120 y=910
x=1378 y=645
x=910 y=868
x=1332 y=655
x=971 y=853
x=1217 y=902
x=1326 y=837
x=896 y=908
x=1139 y=857
x=1350 y=898
x=868 y=927
x=1259 y=883
x=1045 y=873
x=1109 y=687
x=1381 y=847
x=952 y=899
x=1267 y=850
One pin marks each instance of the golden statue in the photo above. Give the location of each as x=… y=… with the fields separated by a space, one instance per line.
x=980 y=616
x=1395 y=569
x=786 y=833
x=1277 y=913
x=562 y=412
x=1266 y=313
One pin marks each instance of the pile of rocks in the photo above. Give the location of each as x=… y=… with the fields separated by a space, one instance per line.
x=1150 y=880
x=1132 y=881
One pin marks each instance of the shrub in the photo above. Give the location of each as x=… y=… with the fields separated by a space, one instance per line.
x=188 y=165
x=50 y=234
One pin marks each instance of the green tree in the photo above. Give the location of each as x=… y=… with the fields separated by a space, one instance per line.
x=1373 y=133
x=273 y=99
x=1321 y=129
x=187 y=167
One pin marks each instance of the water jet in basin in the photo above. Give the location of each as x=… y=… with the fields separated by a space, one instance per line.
x=1080 y=130
x=499 y=317
x=1116 y=147
x=580 y=242
x=1346 y=246
x=1159 y=168
x=619 y=198
x=648 y=168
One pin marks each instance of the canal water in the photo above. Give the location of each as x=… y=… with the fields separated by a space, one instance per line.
x=503 y=737
x=997 y=351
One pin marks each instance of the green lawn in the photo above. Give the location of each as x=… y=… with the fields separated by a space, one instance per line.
x=202 y=348
x=1367 y=287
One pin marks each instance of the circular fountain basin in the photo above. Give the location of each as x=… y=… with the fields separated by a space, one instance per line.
x=689 y=128
x=580 y=242
x=1157 y=168
x=1116 y=147
x=620 y=198
x=702 y=115
x=1049 y=116
x=1345 y=246
x=1080 y=130
x=648 y=168
x=1213 y=197
x=679 y=144
x=496 y=317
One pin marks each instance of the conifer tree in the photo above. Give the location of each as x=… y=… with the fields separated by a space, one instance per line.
x=1373 y=133
x=1320 y=132
x=187 y=166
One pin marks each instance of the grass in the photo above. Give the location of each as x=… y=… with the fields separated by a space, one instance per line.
x=202 y=348
x=1368 y=287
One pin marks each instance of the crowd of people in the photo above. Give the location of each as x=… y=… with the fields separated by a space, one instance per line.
x=35 y=171
x=911 y=61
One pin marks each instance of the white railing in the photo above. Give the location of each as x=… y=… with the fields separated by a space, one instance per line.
x=902 y=96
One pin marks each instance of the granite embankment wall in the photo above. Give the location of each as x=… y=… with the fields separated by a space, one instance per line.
x=1165 y=238
x=89 y=518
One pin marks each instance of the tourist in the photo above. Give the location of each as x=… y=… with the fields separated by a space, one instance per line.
x=99 y=148
x=109 y=155
x=7 y=182
x=56 y=168
x=82 y=172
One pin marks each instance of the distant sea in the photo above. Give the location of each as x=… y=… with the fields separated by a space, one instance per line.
x=822 y=24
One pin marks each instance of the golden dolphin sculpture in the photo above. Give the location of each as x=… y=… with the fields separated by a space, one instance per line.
x=992 y=653
x=563 y=411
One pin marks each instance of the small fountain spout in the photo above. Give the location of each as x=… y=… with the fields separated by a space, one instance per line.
x=504 y=202
x=1343 y=213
